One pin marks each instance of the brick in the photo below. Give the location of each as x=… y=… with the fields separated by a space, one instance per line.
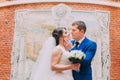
x=7 y=30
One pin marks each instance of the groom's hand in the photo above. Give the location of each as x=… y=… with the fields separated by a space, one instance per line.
x=67 y=44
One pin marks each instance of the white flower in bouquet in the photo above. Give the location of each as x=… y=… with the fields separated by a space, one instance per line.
x=76 y=56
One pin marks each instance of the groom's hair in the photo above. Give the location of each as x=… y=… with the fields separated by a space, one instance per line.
x=81 y=25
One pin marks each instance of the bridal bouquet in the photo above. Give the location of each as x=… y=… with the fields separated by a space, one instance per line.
x=76 y=56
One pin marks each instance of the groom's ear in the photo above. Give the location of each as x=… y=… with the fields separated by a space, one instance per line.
x=82 y=31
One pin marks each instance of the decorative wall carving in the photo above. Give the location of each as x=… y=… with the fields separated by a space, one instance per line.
x=30 y=25
x=103 y=18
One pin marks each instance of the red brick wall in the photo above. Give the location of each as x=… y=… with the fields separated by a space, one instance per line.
x=1 y=0
x=101 y=0
x=7 y=31
x=115 y=44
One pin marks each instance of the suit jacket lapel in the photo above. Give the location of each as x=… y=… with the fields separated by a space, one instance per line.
x=82 y=45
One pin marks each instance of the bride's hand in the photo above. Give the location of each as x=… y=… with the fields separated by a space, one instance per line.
x=75 y=66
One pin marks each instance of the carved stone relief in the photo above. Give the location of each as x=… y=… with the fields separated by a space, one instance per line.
x=30 y=25
x=103 y=18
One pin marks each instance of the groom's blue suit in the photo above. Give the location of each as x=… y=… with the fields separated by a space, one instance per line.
x=89 y=48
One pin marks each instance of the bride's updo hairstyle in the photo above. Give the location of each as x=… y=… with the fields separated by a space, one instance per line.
x=57 y=33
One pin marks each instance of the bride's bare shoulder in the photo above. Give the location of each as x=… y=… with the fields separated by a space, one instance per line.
x=57 y=50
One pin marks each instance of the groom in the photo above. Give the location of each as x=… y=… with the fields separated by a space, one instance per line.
x=82 y=43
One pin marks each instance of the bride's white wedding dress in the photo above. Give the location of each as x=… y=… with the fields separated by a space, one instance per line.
x=42 y=68
x=66 y=74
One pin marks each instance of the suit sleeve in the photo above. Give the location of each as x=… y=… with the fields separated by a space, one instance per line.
x=90 y=52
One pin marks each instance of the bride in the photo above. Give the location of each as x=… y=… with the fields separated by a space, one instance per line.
x=53 y=63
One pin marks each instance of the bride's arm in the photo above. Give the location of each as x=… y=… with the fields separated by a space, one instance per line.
x=55 y=59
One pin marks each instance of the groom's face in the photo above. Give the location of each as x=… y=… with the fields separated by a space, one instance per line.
x=76 y=33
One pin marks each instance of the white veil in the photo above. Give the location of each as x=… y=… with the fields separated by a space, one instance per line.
x=42 y=69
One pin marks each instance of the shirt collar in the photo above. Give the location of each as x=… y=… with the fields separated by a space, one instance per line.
x=81 y=40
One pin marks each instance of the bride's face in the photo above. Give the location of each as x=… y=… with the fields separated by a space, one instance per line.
x=66 y=34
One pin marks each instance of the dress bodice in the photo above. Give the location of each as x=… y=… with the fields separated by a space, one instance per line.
x=65 y=54
x=66 y=74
